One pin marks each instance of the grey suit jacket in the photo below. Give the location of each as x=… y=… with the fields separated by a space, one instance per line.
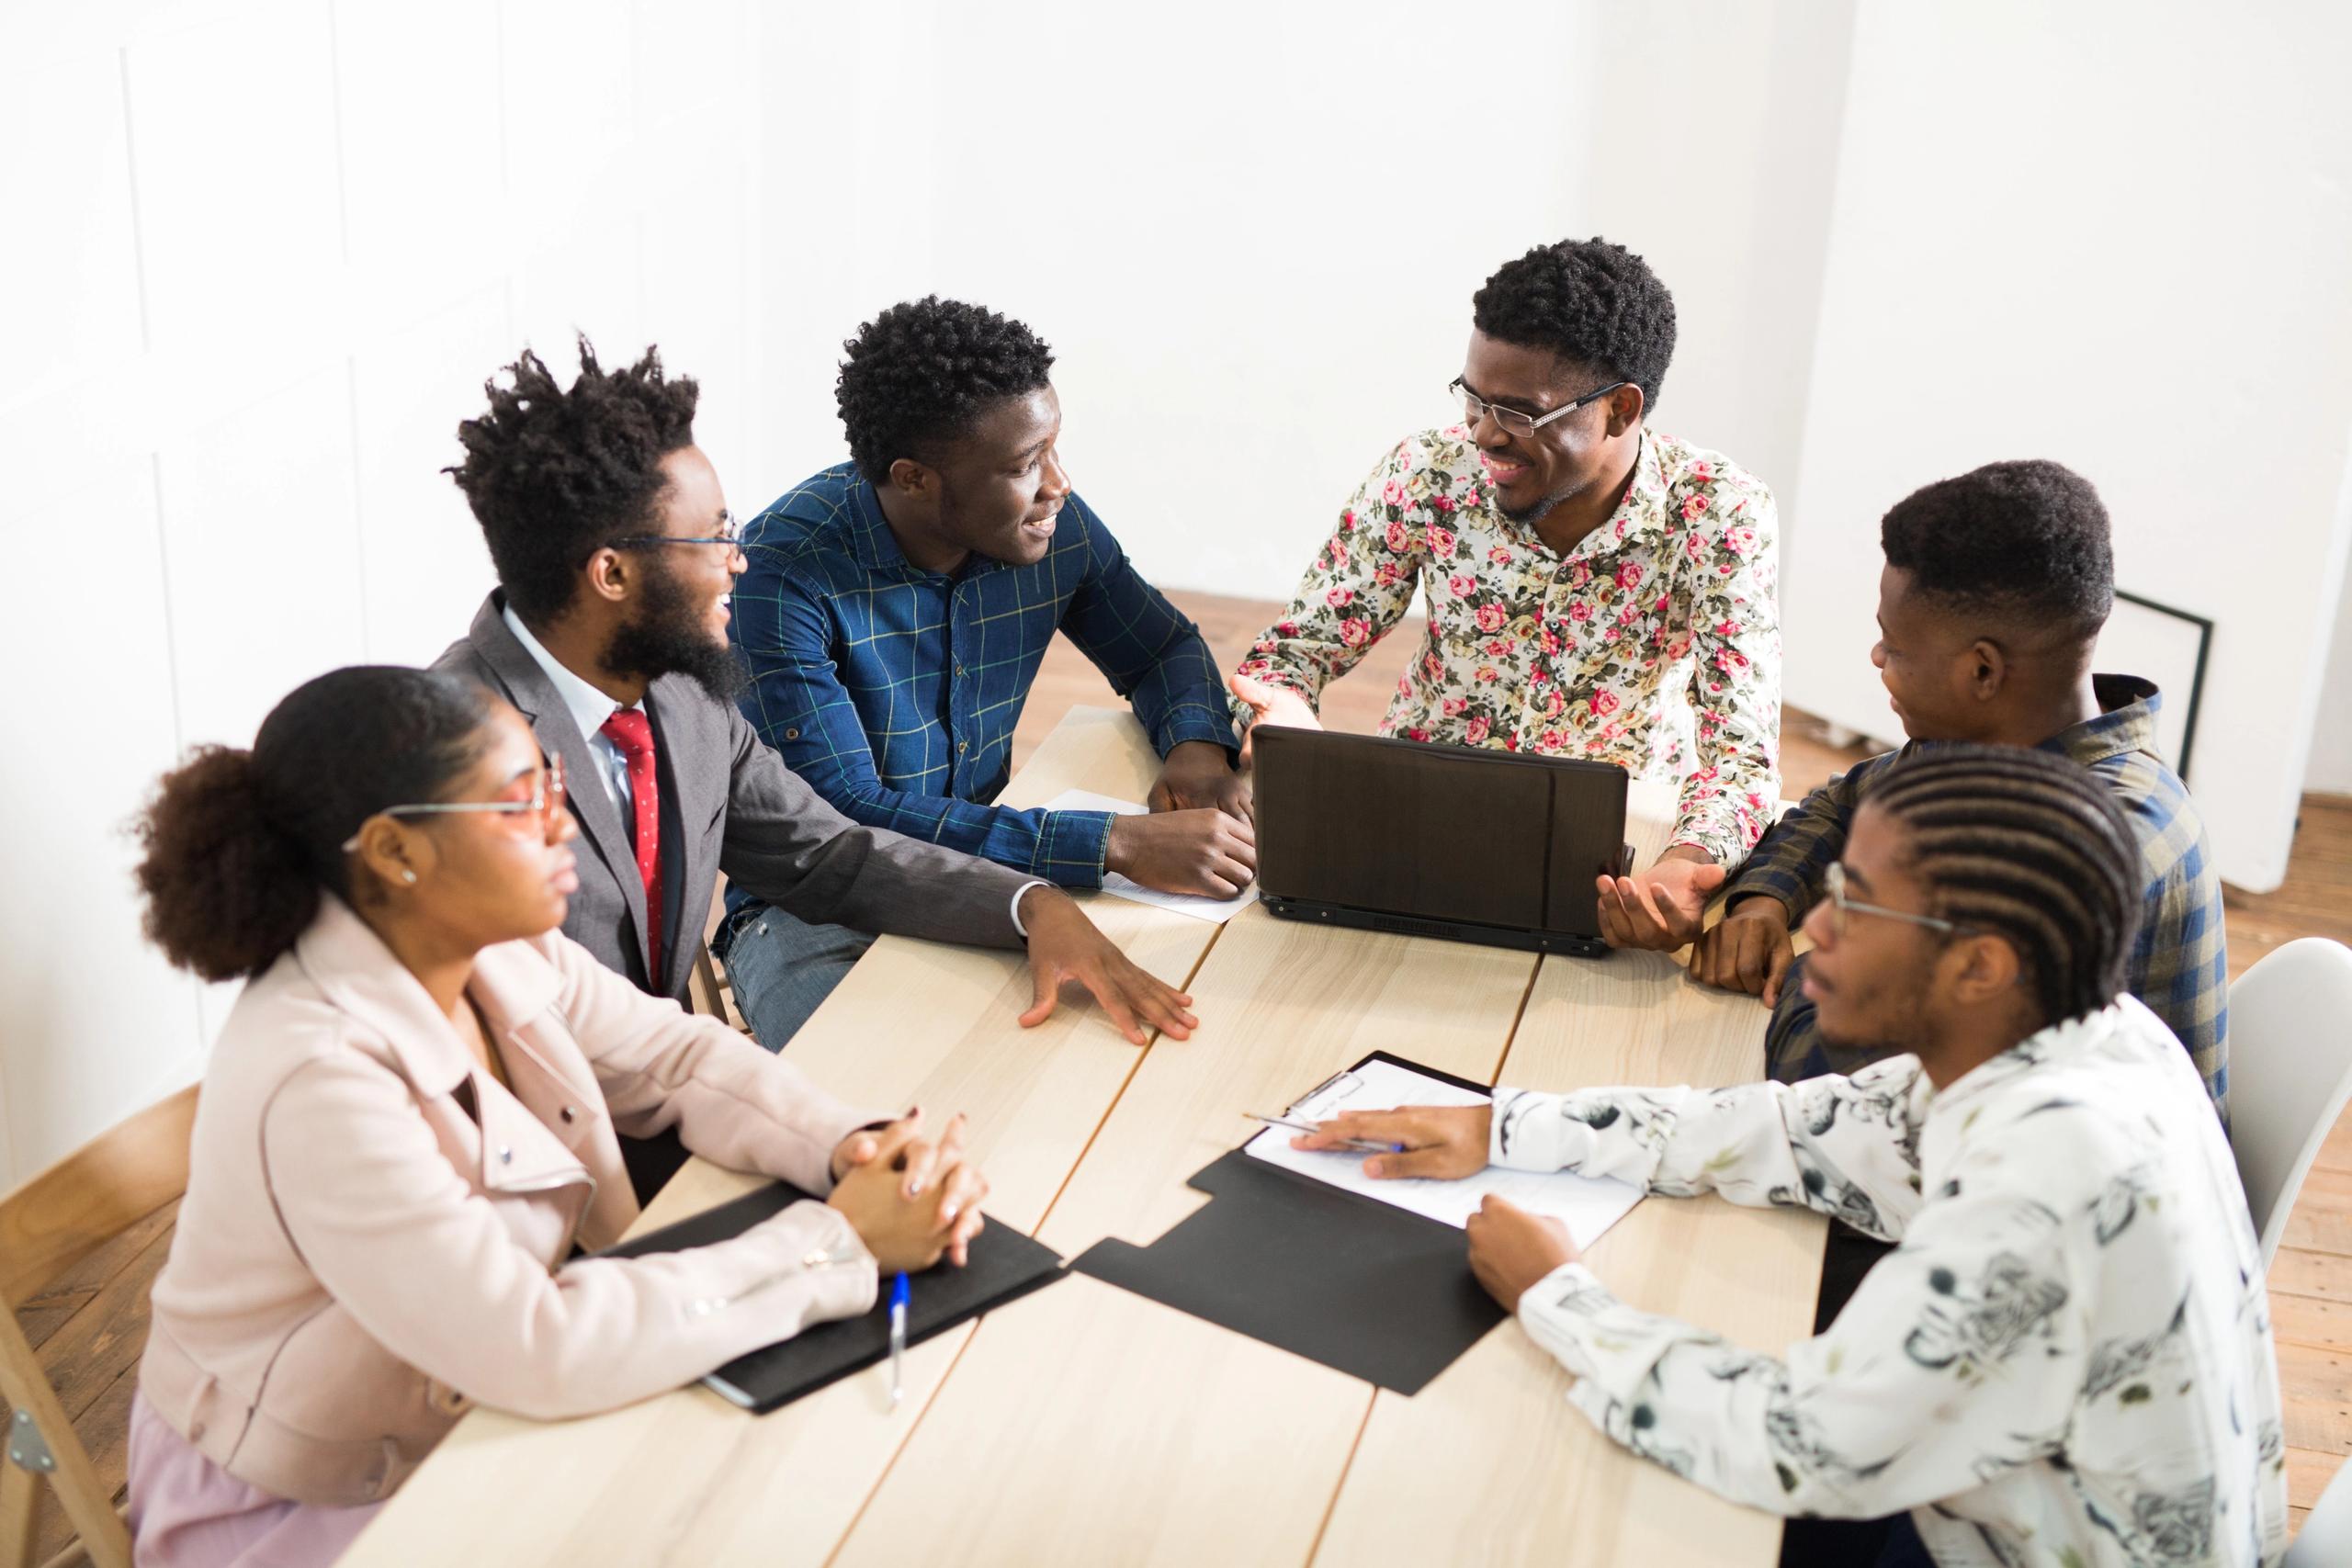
x=740 y=810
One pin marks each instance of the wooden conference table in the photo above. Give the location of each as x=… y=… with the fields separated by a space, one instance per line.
x=1087 y=1425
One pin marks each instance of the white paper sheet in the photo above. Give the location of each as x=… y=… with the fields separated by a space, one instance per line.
x=1587 y=1205
x=1198 y=906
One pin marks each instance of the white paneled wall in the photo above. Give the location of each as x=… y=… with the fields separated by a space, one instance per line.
x=262 y=255
x=2116 y=234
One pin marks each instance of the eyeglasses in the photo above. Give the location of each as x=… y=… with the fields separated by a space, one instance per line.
x=730 y=533
x=546 y=802
x=1517 y=422
x=1833 y=882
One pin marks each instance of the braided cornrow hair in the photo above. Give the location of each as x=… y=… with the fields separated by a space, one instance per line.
x=2028 y=846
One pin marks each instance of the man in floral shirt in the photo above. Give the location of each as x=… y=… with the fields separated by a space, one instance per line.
x=2066 y=1358
x=1595 y=589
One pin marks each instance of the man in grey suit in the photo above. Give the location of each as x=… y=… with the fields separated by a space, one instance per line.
x=616 y=555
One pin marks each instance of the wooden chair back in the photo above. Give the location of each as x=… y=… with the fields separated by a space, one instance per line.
x=48 y=1226
x=708 y=990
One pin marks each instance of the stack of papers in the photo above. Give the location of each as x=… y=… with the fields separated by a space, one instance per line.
x=1587 y=1205
x=1198 y=906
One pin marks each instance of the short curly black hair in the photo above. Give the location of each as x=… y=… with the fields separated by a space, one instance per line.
x=2026 y=542
x=918 y=374
x=1589 y=303
x=554 y=476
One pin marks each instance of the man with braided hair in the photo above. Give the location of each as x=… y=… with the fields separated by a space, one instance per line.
x=1996 y=587
x=894 y=614
x=2066 y=1358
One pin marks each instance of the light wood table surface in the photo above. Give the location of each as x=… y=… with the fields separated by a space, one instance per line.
x=1087 y=1425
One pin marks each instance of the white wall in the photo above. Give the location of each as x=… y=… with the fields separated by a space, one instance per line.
x=2116 y=234
x=1249 y=233
x=2331 y=765
x=1252 y=232
x=1720 y=127
x=262 y=255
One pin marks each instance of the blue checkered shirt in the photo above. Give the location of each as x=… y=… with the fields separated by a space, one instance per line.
x=2179 y=964
x=893 y=690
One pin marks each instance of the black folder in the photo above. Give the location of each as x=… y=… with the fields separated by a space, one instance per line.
x=1363 y=1287
x=1005 y=1265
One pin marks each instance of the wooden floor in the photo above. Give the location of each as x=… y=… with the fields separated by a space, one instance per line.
x=88 y=1327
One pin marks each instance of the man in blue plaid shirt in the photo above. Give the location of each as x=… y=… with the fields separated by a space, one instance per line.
x=1996 y=587
x=894 y=615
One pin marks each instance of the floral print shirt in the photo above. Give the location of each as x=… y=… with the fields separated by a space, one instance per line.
x=2066 y=1360
x=1654 y=644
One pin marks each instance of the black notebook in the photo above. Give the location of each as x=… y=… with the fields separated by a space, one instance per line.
x=1005 y=1265
x=1361 y=1286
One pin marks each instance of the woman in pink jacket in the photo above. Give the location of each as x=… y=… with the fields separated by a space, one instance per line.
x=407 y=1126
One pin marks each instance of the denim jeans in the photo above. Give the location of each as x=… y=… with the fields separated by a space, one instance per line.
x=782 y=968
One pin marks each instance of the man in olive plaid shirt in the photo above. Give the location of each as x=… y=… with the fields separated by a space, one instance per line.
x=1996 y=587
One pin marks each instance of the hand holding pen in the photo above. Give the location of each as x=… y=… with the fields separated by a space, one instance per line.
x=1444 y=1142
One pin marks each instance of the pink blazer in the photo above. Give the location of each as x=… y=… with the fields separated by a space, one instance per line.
x=375 y=1230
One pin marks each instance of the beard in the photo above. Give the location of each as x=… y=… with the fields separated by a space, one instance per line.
x=667 y=637
x=1539 y=511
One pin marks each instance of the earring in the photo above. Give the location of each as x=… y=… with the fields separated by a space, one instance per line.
x=408 y=876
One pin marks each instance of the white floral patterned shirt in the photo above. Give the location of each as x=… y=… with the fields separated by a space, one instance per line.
x=2065 y=1362
x=1654 y=644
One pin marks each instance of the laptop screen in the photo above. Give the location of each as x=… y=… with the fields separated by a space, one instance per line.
x=1438 y=832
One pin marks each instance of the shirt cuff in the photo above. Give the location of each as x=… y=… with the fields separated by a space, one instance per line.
x=1530 y=1131
x=1556 y=1309
x=1196 y=721
x=1771 y=881
x=1071 y=850
x=1612 y=1349
x=1018 y=894
x=1727 y=834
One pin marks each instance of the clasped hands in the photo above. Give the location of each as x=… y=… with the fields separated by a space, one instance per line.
x=912 y=1200
x=1511 y=1248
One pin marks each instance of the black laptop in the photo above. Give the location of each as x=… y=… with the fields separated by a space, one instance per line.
x=1437 y=840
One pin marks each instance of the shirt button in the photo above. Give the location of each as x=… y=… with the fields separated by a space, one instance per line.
x=506 y=1156
x=569 y=1114
x=962 y=747
x=792 y=735
x=959 y=671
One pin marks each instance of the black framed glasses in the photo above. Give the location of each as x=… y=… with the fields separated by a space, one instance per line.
x=730 y=533
x=1833 y=882
x=1518 y=421
x=546 y=801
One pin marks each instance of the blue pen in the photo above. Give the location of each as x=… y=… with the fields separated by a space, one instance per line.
x=897 y=1339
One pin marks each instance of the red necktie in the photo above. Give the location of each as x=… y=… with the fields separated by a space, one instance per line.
x=633 y=735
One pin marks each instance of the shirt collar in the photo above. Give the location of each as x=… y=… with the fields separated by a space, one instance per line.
x=1642 y=509
x=588 y=706
x=2124 y=1022
x=2056 y=1043
x=872 y=541
x=2126 y=722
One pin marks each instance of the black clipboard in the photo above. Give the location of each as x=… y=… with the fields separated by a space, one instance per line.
x=1363 y=1287
x=1005 y=1266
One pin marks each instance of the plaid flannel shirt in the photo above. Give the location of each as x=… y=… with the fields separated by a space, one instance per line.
x=2179 y=964
x=894 y=690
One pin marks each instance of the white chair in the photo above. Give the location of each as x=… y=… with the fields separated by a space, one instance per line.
x=2290 y=1073
x=2327 y=1540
